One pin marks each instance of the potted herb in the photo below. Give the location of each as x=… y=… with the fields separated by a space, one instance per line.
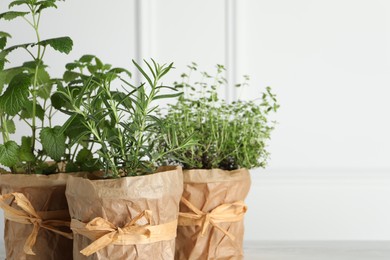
x=36 y=214
x=231 y=139
x=130 y=209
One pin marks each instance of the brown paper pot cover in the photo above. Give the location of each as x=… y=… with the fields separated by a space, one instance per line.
x=46 y=193
x=121 y=200
x=206 y=190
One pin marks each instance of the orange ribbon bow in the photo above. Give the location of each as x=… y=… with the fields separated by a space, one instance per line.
x=27 y=215
x=104 y=233
x=232 y=212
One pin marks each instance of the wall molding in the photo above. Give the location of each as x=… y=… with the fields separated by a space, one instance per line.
x=144 y=25
x=231 y=48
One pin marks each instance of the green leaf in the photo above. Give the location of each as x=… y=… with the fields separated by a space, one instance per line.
x=168 y=96
x=87 y=58
x=61 y=44
x=4 y=34
x=40 y=69
x=25 y=153
x=71 y=75
x=45 y=5
x=28 y=108
x=58 y=100
x=18 y=2
x=143 y=72
x=5 y=52
x=10 y=125
x=9 y=153
x=84 y=155
x=72 y=66
x=7 y=75
x=71 y=167
x=3 y=39
x=12 y=15
x=3 y=42
x=16 y=95
x=53 y=142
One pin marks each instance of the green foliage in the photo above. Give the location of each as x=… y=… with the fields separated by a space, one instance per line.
x=62 y=44
x=12 y=15
x=16 y=95
x=53 y=142
x=25 y=94
x=9 y=153
x=26 y=154
x=120 y=122
x=230 y=135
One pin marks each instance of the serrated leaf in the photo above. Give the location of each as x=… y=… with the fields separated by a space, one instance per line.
x=5 y=52
x=72 y=66
x=84 y=155
x=27 y=109
x=3 y=42
x=39 y=68
x=9 y=153
x=45 y=5
x=87 y=58
x=18 y=2
x=70 y=75
x=61 y=44
x=16 y=95
x=7 y=75
x=12 y=15
x=53 y=142
x=25 y=153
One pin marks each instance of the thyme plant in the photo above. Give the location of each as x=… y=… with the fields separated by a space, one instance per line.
x=230 y=135
x=122 y=121
x=25 y=95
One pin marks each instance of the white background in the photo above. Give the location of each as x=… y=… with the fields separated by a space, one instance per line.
x=329 y=63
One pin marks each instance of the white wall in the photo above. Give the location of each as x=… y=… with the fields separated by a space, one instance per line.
x=328 y=61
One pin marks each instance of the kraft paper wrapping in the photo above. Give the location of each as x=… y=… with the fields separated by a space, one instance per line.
x=217 y=194
x=46 y=193
x=122 y=217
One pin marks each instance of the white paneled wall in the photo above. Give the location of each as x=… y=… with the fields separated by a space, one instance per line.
x=329 y=63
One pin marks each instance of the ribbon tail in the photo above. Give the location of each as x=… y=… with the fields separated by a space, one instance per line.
x=30 y=242
x=99 y=243
x=231 y=236
x=206 y=223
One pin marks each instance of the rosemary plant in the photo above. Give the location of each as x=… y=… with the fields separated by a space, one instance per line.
x=230 y=135
x=27 y=95
x=121 y=122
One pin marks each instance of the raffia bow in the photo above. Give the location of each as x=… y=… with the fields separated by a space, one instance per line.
x=27 y=215
x=104 y=233
x=230 y=212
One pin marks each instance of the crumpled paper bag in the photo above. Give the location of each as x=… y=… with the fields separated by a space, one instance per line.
x=206 y=190
x=118 y=201
x=46 y=193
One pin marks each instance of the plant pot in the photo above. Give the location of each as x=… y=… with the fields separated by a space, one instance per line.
x=211 y=214
x=126 y=218
x=35 y=207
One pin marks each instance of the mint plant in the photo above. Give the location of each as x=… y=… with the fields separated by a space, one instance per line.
x=25 y=95
x=121 y=122
x=230 y=135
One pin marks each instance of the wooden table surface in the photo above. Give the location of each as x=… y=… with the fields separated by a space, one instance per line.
x=310 y=250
